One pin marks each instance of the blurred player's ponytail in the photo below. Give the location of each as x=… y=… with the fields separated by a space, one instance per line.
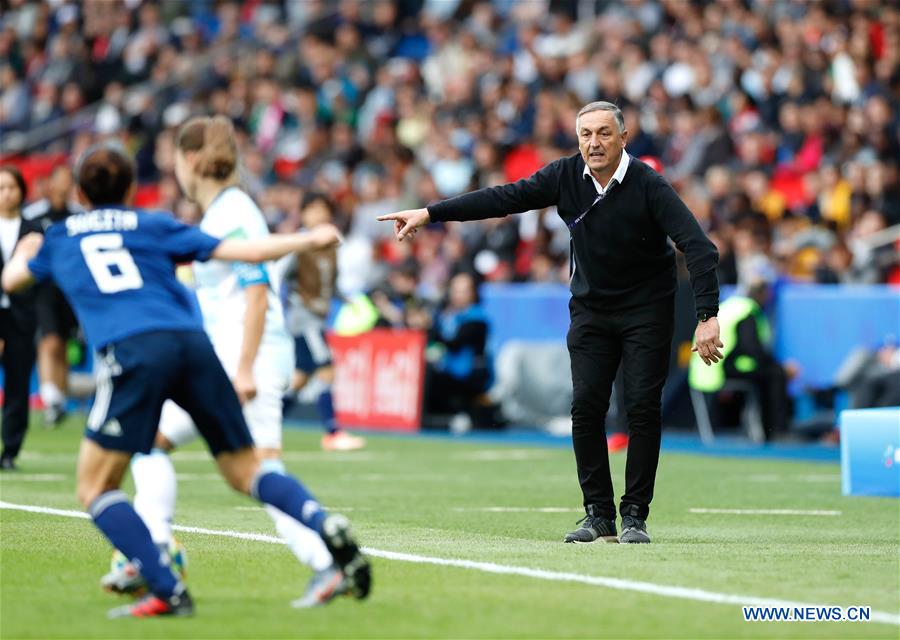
x=213 y=140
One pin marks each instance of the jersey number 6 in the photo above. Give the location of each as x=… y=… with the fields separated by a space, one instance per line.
x=111 y=265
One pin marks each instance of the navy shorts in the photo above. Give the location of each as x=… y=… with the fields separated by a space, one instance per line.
x=311 y=351
x=139 y=373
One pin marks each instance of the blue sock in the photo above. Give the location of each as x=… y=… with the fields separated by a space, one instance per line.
x=123 y=527
x=325 y=405
x=285 y=493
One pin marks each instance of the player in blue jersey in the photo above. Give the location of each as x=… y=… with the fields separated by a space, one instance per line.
x=116 y=266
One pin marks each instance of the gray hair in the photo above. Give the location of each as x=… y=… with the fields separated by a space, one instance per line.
x=601 y=105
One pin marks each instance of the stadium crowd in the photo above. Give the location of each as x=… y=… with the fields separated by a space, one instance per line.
x=776 y=121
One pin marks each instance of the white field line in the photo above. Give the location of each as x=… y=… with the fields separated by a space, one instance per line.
x=809 y=477
x=519 y=509
x=34 y=477
x=666 y=591
x=298 y=456
x=502 y=455
x=327 y=508
x=190 y=477
x=769 y=512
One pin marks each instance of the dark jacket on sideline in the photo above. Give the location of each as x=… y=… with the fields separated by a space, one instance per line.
x=620 y=254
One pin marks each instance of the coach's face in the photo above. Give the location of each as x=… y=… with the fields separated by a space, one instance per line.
x=600 y=141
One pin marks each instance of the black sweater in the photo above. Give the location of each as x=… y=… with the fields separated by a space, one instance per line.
x=620 y=254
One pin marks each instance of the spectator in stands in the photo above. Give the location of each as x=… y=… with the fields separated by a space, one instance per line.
x=398 y=295
x=14 y=100
x=461 y=372
x=17 y=321
x=872 y=378
x=57 y=324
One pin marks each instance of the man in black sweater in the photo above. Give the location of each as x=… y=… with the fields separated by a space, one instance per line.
x=620 y=214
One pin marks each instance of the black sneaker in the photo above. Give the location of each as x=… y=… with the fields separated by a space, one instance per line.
x=347 y=556
x=634 y=531
x=593 y=528
x=8 y=463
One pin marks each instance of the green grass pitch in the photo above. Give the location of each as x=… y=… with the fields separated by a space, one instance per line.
x=432 y=498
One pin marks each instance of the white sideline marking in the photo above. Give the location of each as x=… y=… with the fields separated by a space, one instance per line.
x=327 y=508
x=519 y=509
x=298 y=456
x=809 y=477
x=35 y=477
x=769 y=512
x=495 y=455
x=684 y=593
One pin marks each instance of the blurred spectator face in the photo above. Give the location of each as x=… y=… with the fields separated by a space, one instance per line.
x=718 y=182
x=402 y=281
x=744 y=243
x=10 y=195
x=188 y=212
x=7 y=76
x=164 y=154
x=72 y=99
x=462 y=291
x=600 y=141
x=542 y=268
x=316 y=213
x=871 y=222
x=60 y=188
x=168 y=193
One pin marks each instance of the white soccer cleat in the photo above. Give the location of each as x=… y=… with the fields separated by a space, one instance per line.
x=324 y=586
x=124 y=577
x=342 y=441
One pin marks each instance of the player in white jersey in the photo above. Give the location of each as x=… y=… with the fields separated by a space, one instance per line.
x=243 y=317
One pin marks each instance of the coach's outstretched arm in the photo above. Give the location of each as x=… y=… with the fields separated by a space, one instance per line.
x=538 y=191
x=277 y=246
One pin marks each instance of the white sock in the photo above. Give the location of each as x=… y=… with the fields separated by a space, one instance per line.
x=51 y=394
x=155 y=493
x=304 y=543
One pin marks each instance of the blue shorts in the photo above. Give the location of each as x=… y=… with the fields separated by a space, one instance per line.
x=311 y=351
x=139 y=373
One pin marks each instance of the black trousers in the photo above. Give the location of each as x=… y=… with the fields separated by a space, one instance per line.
x=18 y=360
x=771 y=384
x=598 y=341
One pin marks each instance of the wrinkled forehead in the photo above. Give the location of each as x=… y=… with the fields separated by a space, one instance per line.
x=595 y=120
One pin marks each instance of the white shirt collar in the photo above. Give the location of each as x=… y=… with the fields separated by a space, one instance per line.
x=618 y=176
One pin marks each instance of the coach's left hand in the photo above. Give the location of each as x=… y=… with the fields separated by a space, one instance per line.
x=245 y=386
x=706 y=341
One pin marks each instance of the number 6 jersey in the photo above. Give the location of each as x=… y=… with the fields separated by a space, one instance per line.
x=116 y=267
